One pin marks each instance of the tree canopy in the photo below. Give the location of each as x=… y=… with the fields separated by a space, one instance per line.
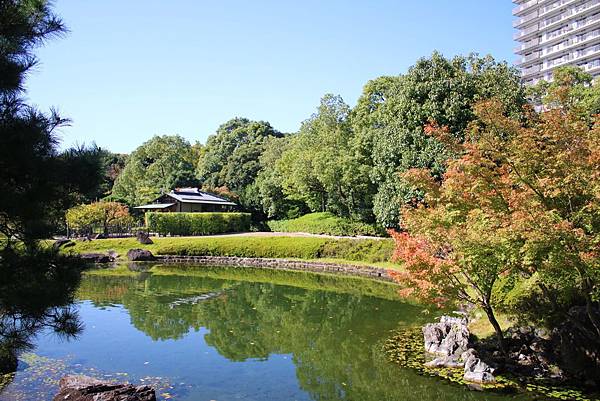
x=392 y=111
x=157 y=166
x=320 y=168
x=231 y=156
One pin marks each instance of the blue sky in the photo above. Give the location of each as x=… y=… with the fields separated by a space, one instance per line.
x=132 y=69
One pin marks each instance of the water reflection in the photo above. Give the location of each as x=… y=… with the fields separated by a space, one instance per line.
x=330 y=329
x=36 y=293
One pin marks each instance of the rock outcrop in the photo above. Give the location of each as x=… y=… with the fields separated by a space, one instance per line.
x=448 y=337
x=476 y=371
x=140 y=255
x=450 y=340
x=83 y=388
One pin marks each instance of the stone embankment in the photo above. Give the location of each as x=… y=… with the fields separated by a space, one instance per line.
x=449 y=340
x=284 y=264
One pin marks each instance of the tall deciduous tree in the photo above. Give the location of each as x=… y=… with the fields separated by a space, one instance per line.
x=155 y=167
x=320 y=167
x=269 y=183
x=392 y=111
x=231 y=156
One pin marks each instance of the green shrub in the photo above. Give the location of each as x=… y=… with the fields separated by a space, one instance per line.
x=325 y=223
x=197 y=223
x=251 y=247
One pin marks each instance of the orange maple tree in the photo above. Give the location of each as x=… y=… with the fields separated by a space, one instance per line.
x=522 y=198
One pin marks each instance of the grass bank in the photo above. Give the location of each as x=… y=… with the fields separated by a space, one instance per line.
x=357 y=251
x=326 y=223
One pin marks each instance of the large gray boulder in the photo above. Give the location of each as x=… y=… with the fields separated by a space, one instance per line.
x=477 y=371
x=448 y=337
x=140 y=255
x=84 y=388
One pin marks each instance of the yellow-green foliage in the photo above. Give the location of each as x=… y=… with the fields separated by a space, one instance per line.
x=197 y=223
x=325 y=223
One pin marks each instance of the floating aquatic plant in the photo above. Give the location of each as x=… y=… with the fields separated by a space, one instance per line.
x=406 y=348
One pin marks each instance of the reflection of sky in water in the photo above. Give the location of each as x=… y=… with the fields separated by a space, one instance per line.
x=110 y=344
x=254 y=341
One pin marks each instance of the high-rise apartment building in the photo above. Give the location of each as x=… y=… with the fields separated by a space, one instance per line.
x=553 y=33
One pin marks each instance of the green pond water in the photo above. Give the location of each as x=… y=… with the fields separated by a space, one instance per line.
x=235 y=334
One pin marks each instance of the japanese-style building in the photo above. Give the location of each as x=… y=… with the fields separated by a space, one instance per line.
x=188 y=200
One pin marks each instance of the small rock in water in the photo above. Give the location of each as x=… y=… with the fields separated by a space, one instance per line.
x=140 y=255
x=96 y=257
x=84 y=388
x=444 y=362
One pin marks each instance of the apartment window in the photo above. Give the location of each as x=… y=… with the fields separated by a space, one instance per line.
x=554 y=33
x=553 y=19
x=593 y=64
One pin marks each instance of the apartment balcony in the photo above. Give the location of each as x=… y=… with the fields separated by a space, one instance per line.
x=524 y=33
x=525 y=46
x=522 y=9
x=570 y=29
x=569 y=45
x=569 y=14
x=531 y=70
x=570 y=59
x=554 y=6
x=533 y=57
x=527 y=19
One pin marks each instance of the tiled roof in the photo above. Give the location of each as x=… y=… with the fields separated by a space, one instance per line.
x=155 y=206
x=194 y=195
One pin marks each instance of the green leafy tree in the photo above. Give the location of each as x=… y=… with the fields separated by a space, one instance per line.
x=157 y=166
x=392 y=111
x=269 y=183
x=570 y=88
x=112 y=166
x=320 y=168
x=231 y=156
x=521 y=202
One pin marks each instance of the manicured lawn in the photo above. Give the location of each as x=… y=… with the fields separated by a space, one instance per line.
x=354 y=251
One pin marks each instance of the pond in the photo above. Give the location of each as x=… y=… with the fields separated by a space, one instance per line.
x=234 y=334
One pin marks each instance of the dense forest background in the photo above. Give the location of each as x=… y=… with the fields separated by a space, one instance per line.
x=343 y=160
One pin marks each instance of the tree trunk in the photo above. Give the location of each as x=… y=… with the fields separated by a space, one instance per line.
x=499 y=334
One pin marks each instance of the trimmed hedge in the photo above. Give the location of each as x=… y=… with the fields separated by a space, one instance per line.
x=250 y=247
x=325 y=223
x=197 y=223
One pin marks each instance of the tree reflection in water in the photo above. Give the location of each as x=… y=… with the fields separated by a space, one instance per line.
x=36 y=294
x=333 y=332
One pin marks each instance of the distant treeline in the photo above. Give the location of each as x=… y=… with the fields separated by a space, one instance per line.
x=343 y=160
